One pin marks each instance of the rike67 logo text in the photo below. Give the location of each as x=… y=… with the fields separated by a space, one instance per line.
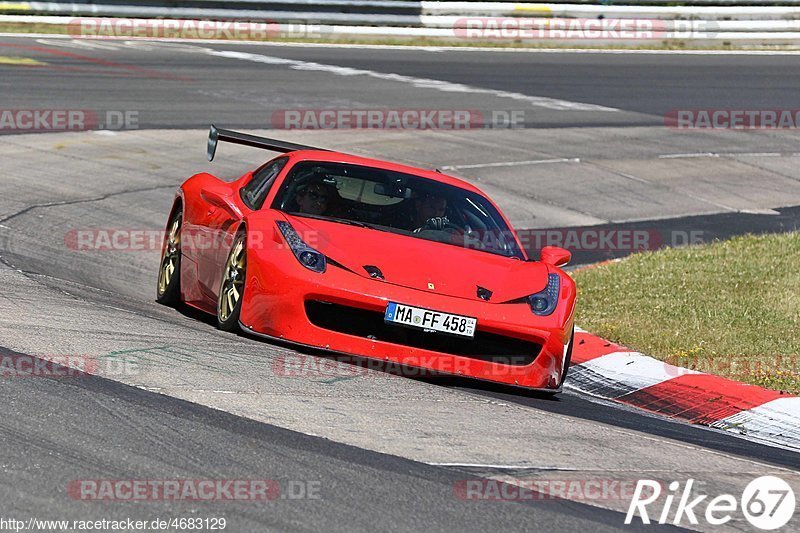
x=767 y=503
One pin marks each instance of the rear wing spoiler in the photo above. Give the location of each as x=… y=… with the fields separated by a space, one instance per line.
x=218 y=134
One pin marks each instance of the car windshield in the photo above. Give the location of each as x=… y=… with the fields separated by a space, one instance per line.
x=395 y=202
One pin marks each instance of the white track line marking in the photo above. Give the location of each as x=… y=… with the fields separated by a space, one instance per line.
x=82 y=44
x=422 y=83
x=683 y=156
x=727 y=154
x=751 y=154
x=578 y=160
x=764 y=211
x=514 y=163
x=504 y=467
x=221 y=391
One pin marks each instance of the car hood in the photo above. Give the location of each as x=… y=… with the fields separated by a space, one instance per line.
x=420 y=264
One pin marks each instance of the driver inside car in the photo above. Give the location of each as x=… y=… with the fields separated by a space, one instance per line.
x=429 y=213
x=317 y=198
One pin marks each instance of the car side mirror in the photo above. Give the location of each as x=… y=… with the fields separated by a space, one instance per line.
x=555 y=255
x=218 y=198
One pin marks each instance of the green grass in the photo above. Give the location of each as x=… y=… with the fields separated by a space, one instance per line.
x=59 y=29
x=730 y=308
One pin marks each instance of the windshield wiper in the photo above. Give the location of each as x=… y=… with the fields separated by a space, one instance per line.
x=340 y=220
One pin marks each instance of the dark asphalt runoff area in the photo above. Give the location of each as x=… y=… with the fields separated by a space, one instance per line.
x=59 y=431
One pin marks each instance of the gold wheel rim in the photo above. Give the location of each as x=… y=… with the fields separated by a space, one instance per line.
x=232 y=280
x=169 y=260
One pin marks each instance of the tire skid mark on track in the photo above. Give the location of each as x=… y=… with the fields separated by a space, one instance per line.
x=102 y=62
x=154 y=436
x=171 y=391
x=82 y=200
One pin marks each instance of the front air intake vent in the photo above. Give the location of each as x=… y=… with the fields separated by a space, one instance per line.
x=363 y=323
x=373 y=271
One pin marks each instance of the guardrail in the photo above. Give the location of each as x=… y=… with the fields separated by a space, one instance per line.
x=454 y=20
x=430 y=14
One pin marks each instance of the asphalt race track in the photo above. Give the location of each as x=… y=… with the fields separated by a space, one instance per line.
x=183 y=86
x=174 y=398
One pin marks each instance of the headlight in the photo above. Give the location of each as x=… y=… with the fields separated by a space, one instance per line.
x=308 y=257
x=544 y=303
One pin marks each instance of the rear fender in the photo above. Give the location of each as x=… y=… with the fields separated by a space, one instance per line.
x=197 y=258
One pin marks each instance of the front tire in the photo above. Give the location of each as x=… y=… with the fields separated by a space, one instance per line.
x=231 y=291
x=567 y=360
x=168 y=291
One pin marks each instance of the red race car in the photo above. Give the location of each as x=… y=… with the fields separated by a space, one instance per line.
x=369 y=258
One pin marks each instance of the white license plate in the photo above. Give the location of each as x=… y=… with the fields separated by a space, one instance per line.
x=428 y=320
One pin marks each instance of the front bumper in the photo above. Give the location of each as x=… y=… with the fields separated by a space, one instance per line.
x=279 y=295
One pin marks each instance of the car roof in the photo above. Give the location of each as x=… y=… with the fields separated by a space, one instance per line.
x=338 y=157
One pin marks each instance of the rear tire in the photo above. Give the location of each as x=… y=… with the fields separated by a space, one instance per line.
x=231 y=291
x=168 y=290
